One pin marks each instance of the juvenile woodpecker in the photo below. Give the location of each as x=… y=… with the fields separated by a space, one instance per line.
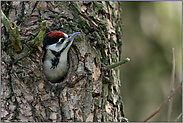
x=56 y=45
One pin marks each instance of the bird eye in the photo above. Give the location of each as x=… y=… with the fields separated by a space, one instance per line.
x=61 y=40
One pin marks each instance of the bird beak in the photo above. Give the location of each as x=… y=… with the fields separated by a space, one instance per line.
x=71 y=36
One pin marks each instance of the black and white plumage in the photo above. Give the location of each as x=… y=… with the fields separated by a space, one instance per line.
x=56 y=45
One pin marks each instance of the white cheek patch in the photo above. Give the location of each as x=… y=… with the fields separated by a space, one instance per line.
x=54 y=47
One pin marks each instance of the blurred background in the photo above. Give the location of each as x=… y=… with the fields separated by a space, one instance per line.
x=150 y=30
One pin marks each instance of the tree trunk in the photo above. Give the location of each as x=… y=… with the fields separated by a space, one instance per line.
x=88 y=93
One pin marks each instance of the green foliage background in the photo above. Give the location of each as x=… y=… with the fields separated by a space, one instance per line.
x=150 y=30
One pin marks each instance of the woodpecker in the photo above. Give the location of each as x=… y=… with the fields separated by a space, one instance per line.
x=56 y=45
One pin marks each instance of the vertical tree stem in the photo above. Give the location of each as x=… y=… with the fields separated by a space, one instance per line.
x=171 y=85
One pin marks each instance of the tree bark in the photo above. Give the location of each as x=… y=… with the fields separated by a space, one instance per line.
x=88 y=93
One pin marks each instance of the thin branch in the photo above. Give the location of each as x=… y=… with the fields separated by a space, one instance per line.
x=171 y=85
x=178 y=117
x=116 y=64
x=38 y=38
x=163 y=104
x=14 y=32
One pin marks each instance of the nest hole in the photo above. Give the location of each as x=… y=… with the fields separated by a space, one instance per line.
x=73 y=63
